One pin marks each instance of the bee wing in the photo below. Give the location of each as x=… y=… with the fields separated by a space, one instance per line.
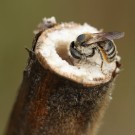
x=110 y=35
x=97 y=37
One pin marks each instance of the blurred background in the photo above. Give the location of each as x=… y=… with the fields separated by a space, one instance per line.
x=19 y=18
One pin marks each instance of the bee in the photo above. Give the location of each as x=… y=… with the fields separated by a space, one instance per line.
x=86 y=44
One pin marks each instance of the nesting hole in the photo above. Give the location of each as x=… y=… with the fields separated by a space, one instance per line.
x=62 y=50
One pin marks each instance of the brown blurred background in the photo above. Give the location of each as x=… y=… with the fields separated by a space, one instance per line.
x=19 y=18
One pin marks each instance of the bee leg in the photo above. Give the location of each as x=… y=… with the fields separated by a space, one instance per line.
x=83 y=59
x=102 y=62
x=102 y=65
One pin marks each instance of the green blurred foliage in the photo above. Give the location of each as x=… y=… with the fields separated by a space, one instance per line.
x=19 y=18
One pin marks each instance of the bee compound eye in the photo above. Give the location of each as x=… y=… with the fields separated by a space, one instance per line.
x=81 y=38
x=76 y=54
x=72 y=44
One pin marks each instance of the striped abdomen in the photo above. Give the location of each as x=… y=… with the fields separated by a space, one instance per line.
x=109 y=50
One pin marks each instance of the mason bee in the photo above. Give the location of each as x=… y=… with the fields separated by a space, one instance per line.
x=86 y=45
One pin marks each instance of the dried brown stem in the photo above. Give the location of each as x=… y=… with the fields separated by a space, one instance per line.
x=48 y=104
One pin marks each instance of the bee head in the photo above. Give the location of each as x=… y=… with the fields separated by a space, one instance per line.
x=82 y=39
